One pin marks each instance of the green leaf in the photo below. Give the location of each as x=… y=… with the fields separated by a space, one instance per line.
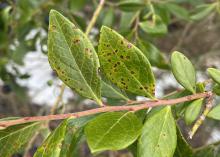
x=127 y=18
x=183 y=71
x=112 y=131
x=183 y=149
x=163 y=12
x=158 y=138
x=215 y=74
x=215 y=113
x=13 y=138
x=212 y=150
x=154 y=55
x=109 y=91
x=130 y=6
x=73 y=136
x=192 y=111
x=51 y=147
x=154 y=27
x=216 y=89
x=124 y=64
x=108 y=17
x=202 y=11
x=177 y=10
x=73 y=57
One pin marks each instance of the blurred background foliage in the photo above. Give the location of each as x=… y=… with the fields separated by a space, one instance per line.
x=157 y=27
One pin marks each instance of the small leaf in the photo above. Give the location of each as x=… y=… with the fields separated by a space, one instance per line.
x=216 y=89
x=109 y=91
x=200 y=87
x=183 y=149
x=51 y=147
x=154 y=27
x=73 y=136
x=13 y=138
x=108 y=18
x=183 y=71
x=192 y=111
x=163 y=12
x=215 y=113
x=158 y=138
x=177 y=10
x=202 y=11
x=215 y=74
x=120 y=61
x=130 y=6
x=112 y=131
x=154 y=55
x=127 y=18
x=73 y=57
x=212 y=150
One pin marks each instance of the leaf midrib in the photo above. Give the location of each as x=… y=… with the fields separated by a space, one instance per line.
x=106 y=133
x=14 y=132
x=160 y=135
x=96 y=98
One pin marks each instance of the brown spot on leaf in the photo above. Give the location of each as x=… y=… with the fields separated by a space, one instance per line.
x=129 y=45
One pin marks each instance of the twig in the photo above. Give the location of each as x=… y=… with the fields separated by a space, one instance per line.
x=181 y=39
x=95 y=16
x=199 y=122
x=145 y=105
x=58 y=100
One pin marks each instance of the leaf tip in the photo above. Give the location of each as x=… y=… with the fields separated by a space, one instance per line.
x=53 y=12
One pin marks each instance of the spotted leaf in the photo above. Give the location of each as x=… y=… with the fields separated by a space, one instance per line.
x=73 y=57
x=13 y=138
x=124 y=64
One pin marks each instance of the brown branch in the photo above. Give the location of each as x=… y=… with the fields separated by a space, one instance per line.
x=58 y=100
x=144 y=105
x=95 y=16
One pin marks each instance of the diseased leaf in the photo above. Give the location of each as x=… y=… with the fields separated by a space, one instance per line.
x=124 y=64
x=215 y=74
x=13 y=138
x=183 y=149
x=154 y=27
x=215 y=113
x=112 y=131
x=192 y=111
x=183 y=71
x=109 y=91
x=73 y=57
x=158 y=138
x=51 y=147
